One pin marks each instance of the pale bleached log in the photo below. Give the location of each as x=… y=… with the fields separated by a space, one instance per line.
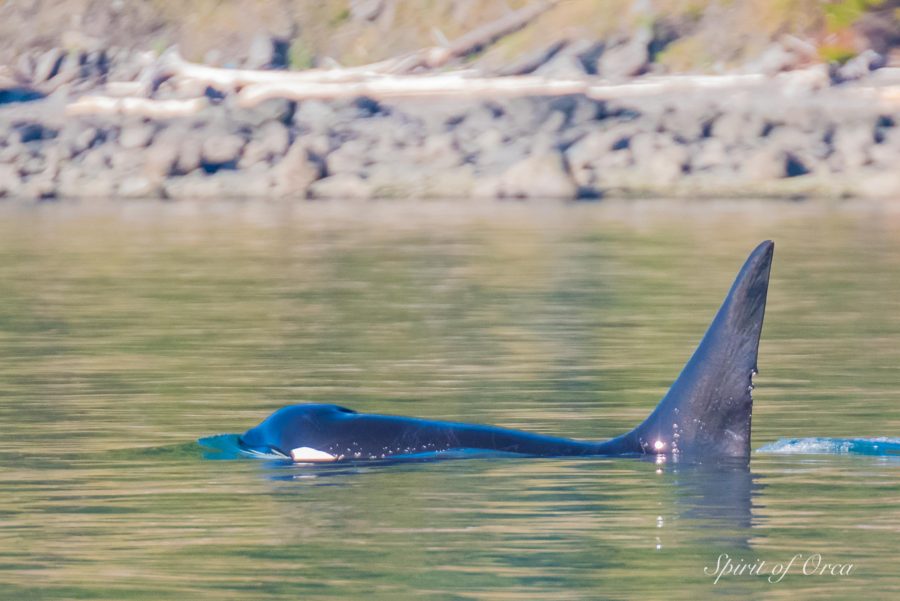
x=171 y=64
x=655 y=86
x=889 y=97
x=412 y=86
x=138 y=107
x=125 y=89
x=460 y=84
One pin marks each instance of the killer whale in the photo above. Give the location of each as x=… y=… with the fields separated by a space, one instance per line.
x=706 y=412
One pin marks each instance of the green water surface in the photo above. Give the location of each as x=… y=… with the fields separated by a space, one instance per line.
x=130 y=330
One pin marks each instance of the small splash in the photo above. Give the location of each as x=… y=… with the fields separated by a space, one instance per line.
x=881 y=447
x=226 y=447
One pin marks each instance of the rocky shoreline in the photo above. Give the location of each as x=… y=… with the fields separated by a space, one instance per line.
x=792 y=135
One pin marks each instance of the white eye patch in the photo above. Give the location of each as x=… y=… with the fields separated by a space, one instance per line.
x=310 y=455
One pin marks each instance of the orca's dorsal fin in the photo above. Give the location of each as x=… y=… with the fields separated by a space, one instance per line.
x=707 y=410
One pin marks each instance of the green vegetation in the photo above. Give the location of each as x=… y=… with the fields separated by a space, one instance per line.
x=707 y=33
x=300 y=56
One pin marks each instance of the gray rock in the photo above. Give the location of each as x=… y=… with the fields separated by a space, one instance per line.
x=710 y=155
x=80 y=41
x=69 y=70
x=578 y=111
x=667 y=164
x=317 y=145
x=12 y=152
x=583 y=156
x=643 y=145
x=271 y=141
x=499 y=64
x=398 y=180
x=315 y=116
x=562 y=66
x=802 y=116
x=261 y=53
x=194 y=186
x=688 y=119
x=440 y=151
x=52 y=159
x=344 y=185
x=629 y=59
x=97 y=159
x=366 y=10
x=74 y=182
x=775 y=59
x=32 y=164
x=764 y=164
x=123 y=161
x=77 y=138
x=880 y=184
x=25 y=67
x=136 y=135
x=351 y=157
x=564 y=58
x=139 y=186
x=126 y=66
x=274 y=109
x=47 y=66
x=659 y=157
x=887 y=153
x=222 y=184
x=503 y=157
x=617 y=160
x=738 y=128
x=222 y=149
x=852 y=143
x=487 y=187
x=884 y=156
x=859 y=66
x=190 y=151
x=38 y=187
x=541 y=175
x=294 y=174
x=162 y=156
x=9 y=181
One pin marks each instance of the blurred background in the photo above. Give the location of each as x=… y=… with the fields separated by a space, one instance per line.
x=408 y=98
x=684 y=35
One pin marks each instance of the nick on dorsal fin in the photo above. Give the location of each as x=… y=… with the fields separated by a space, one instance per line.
x=707 y=410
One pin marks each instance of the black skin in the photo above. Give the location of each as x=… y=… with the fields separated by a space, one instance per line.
x=349 y=435
x=706 y=412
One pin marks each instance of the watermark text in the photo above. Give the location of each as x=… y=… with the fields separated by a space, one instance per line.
x=776 y=571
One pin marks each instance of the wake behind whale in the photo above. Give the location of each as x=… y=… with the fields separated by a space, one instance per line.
x=880 y=447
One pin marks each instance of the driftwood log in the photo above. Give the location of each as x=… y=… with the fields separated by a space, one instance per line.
x=414 y=86
x=171 y=64
x=133 y=106
x=464 y=85
x=454 y=85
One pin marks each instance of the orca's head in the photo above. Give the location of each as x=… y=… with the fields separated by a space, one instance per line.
x=291 y=428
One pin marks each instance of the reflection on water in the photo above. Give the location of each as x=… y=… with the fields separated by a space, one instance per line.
x=128 y=331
